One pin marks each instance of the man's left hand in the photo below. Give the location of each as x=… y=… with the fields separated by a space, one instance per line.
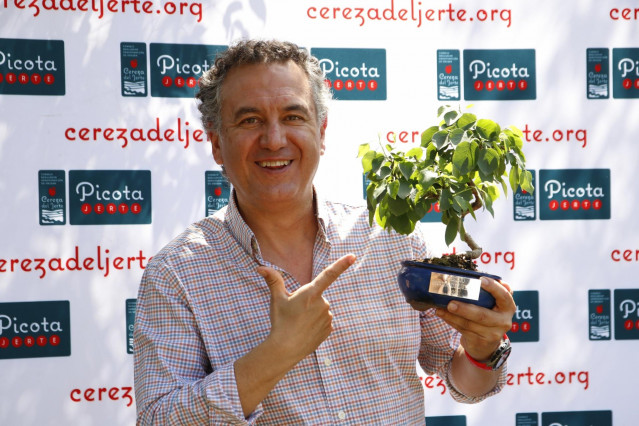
x=482 y=329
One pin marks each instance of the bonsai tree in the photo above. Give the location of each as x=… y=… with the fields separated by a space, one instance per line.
x=461 y=164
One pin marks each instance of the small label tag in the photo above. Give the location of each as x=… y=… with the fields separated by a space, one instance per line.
x=130 y=322
x=453 y=285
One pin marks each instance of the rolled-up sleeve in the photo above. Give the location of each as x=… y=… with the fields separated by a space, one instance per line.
x=174 y=381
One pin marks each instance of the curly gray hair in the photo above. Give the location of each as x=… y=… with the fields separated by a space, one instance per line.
x=247 y=52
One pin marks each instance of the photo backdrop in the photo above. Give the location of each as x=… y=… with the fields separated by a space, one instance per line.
x=104 y=161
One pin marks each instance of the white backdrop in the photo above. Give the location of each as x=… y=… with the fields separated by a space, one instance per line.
x=561 y=365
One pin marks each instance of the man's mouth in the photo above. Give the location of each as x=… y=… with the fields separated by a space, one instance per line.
x=274 y=164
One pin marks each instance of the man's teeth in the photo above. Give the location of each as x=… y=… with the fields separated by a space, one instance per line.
x=274 y=163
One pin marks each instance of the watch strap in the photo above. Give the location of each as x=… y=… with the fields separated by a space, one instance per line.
x=500 y=354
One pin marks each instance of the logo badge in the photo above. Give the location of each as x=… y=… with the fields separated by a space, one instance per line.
x=599 y=418
x=52 y=190
x=627 y=314
x=354 y=74
x=446 y=420
x=130 y=322
x=526 y=419
x=32 y=67
x=35 y=329
x=524 y=203
x=597 y=73
x=525 y=327
x=574 y=194
x=499 y=75
x=133 y=70
x=625 y=76
x=217 y=190
x=599 y=315
x=110 y=197
x=448 y=75
x=176 y=68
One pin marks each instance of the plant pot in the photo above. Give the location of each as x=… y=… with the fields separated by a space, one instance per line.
x=437 y=285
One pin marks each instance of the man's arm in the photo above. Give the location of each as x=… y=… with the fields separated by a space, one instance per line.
x=481 y=333
x=300 y=322
x=172 y=385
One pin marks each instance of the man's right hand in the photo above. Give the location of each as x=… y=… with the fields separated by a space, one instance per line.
x=301 y=321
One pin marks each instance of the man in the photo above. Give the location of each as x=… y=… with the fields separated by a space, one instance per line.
x=282 y=308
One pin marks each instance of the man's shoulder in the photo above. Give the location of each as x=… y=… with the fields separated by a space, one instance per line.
x=197 y=239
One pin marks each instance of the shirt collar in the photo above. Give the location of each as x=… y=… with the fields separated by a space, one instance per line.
x=245 y=236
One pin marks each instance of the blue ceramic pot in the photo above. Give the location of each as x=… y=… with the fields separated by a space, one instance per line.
x=437 y=285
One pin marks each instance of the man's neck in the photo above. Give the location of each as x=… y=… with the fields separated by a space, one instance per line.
x=286 y=235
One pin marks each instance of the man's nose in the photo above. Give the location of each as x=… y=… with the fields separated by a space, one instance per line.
x=274 y=136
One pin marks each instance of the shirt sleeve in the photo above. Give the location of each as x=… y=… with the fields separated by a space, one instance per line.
x=174 y=381
x=439 y=341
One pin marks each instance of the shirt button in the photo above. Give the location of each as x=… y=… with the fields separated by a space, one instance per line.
x=328 y=362
x=341 y=415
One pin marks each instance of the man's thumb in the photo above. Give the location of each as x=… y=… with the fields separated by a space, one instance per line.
x=273 y=279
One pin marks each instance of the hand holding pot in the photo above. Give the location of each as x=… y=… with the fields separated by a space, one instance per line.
x=482 y=329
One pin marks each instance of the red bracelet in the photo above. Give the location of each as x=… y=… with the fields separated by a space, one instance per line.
x=479 y=364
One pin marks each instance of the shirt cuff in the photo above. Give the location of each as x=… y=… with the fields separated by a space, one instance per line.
x=460 y=397
x=224 y=388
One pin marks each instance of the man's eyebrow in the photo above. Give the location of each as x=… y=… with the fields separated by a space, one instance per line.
x=298 y=107
x=250 y=110
x=243 y=111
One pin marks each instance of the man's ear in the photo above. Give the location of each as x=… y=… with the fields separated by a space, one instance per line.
x=323 y=135
x=215 y=147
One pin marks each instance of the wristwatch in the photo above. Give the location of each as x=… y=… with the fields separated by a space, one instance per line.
x=497 y=359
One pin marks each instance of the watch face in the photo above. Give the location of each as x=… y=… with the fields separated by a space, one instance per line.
x=501 y=355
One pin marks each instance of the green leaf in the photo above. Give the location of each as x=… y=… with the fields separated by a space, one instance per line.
x=367 y=161
x=456 y=136
x=466 y=121
x=488 y=129
x=398 y=206
x=406 y=168
x=380 y=190
x=416 y=152
x=427 y=135
x=464 y=158
x=404 y=189
x=527 y=184
x=513 y=177
x=428 y=178
x=488 y=160
x=445 y=199
x=451 y=117
x=384 y=171
x=402 y=224
x=363 y=149
x=439 y=139
x=492 y=191
x=451 y=230
x=377 y=161
x=393 y=188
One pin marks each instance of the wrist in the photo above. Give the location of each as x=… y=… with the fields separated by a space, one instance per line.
x=496 y=359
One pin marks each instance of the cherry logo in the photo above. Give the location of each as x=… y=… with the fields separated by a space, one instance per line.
x=218 y=191
x=449 y=69
x=52 y=191
x=599 y=309
x=134 y=63
x=598 y=68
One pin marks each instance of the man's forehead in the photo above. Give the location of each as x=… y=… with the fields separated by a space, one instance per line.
x=284 y=83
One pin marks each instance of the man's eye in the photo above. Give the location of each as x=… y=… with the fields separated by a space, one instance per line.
x=249 y=120
x=294 y=118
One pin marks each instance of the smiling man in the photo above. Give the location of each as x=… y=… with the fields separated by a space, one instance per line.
x=282 y=308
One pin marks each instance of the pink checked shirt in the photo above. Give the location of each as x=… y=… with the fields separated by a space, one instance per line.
x=201 y=306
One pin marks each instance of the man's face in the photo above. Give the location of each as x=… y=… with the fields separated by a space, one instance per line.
x=270 y=142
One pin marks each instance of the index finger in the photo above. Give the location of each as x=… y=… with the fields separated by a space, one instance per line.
x=331 y=273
